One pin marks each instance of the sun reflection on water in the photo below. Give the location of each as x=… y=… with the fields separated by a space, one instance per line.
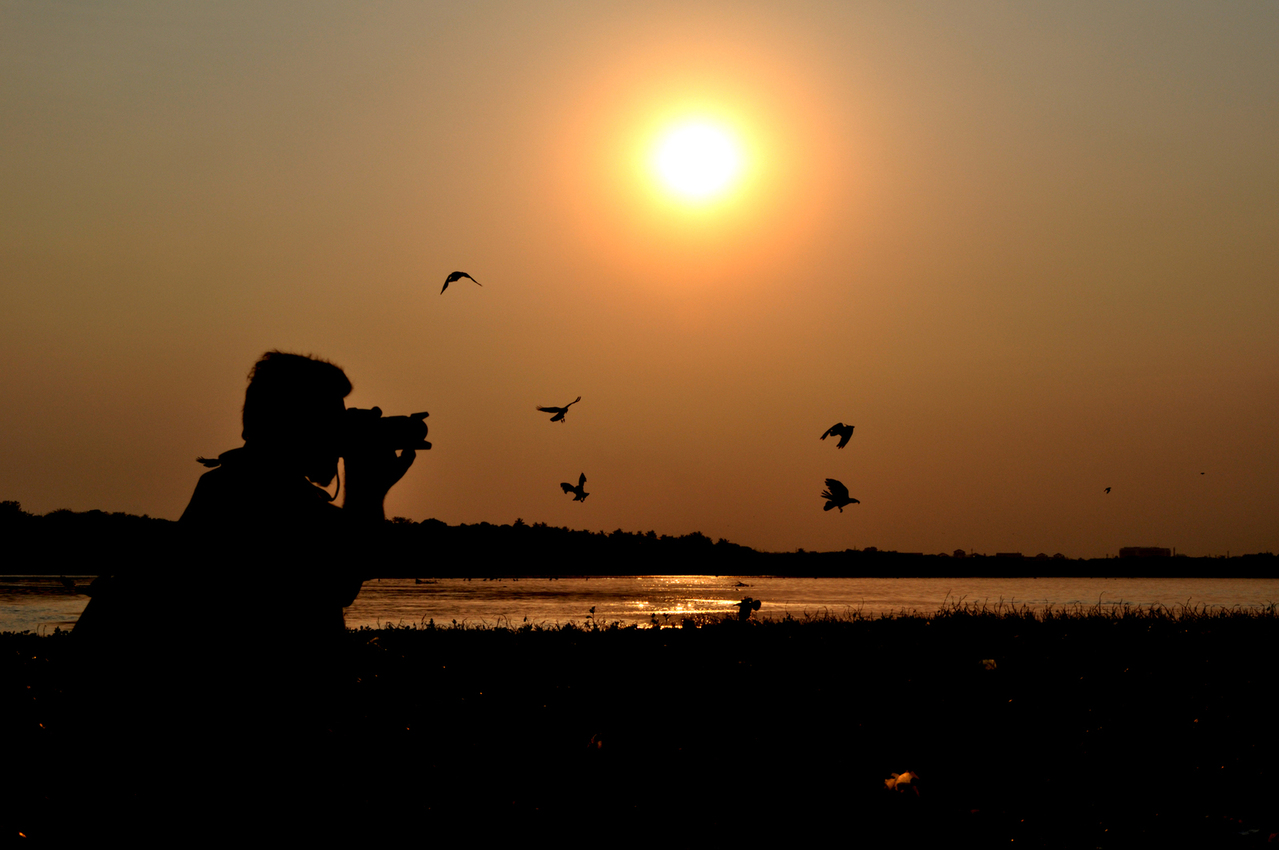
x=640 y=600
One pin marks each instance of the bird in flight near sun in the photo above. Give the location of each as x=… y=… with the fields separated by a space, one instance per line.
x=839 y=429
x=698 y=160
x=458 y=276
x=560 y=412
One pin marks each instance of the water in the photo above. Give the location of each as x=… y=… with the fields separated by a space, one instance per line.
x=636 y=599
x=41 y=603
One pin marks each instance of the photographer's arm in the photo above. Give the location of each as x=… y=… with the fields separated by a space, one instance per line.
x=369 y=477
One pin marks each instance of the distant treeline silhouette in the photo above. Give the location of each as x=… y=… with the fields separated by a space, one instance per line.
x=85 y=543
x=82 y=543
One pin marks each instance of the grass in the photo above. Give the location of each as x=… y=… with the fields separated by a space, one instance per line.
x=1105 y=725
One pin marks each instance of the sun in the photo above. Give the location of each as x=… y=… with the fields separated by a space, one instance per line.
x=697 y=160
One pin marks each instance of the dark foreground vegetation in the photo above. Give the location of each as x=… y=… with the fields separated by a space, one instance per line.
x=67 y=542
x=1131 y=728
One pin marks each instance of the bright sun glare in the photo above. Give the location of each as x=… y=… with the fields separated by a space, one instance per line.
x=697 y=161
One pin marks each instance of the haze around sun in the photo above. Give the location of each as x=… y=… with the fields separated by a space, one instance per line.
x=1028 y=250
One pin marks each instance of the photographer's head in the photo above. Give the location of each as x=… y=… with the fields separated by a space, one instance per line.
x=293 y=408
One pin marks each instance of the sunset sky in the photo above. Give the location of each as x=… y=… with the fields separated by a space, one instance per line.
x=1030 y=250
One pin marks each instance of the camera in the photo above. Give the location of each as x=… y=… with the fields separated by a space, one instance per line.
x=367 y=430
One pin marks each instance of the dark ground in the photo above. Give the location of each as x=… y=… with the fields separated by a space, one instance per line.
x=1091 y=731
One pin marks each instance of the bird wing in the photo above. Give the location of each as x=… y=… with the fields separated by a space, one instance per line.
x=573 y=402
x=845 y=436
x=837 y=489
x=458 y=276
x=831 y=430
x=551 y=409
x=568 y=488
x=581 y=480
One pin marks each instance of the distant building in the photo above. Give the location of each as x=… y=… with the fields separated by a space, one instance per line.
x=960 y=553
x=1144 y=552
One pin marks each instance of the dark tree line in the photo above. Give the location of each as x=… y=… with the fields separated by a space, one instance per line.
x=84 y=543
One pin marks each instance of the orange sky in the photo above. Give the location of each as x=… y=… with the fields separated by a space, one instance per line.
x=1029 y=251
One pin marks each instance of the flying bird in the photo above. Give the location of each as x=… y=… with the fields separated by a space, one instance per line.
x=837 y=496
x=1107 y=489
x=559 y=411
x=458 y=276
x=839 y=429
x=579 y=492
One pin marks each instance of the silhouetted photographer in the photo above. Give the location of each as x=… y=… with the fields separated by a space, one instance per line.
x=267 y=500
x=221 y=663
x=263 y=539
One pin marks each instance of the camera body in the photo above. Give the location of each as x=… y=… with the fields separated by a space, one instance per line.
x=367 y=430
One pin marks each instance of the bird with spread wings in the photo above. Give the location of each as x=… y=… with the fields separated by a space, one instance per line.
x=839 y=429
x=458 y=276
x=559 y=411
x=579 y=492
x=837 y=496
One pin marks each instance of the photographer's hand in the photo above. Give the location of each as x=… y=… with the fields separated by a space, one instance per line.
x=370 y=476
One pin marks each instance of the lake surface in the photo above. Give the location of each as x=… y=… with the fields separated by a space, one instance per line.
x=41 y=603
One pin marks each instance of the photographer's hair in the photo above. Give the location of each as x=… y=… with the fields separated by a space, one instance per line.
x=284 y=389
